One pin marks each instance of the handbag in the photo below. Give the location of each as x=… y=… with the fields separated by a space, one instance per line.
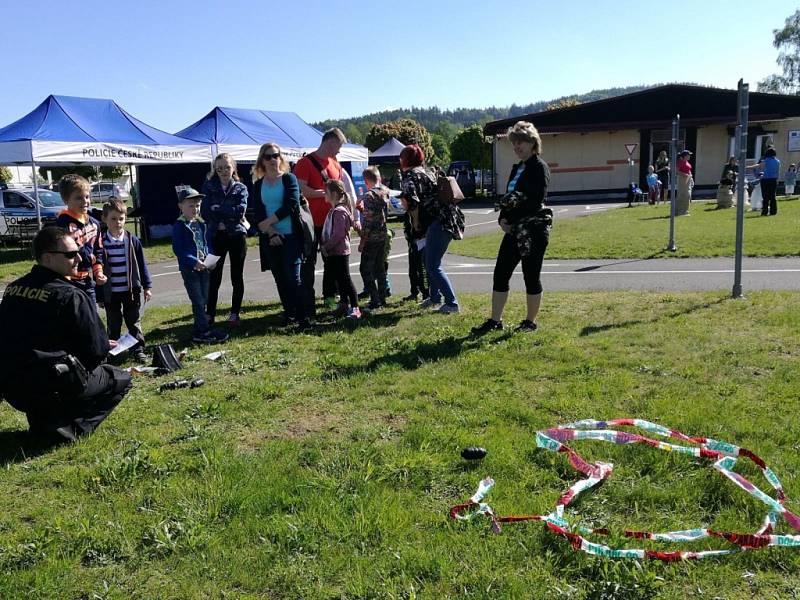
x=303 y=223
x=448 y=190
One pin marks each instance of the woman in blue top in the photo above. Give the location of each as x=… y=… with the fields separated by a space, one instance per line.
x=769 y=182
x=223 y=211
x=277 y=201
x=526 y=222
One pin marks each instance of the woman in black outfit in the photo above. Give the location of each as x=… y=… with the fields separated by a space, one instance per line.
x=662 y=171
x=526 y=223
x=223 y=209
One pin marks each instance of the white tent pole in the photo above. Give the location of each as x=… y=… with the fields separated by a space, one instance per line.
x=36 y=195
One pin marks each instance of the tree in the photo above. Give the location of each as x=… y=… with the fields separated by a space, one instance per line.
x=471 y=145
x=441 y=150
x=787 y=41
x=407 y=131
x=447 y=130
x=563 y=103
x=354 y=133
x=89 y=172
x=5 y=174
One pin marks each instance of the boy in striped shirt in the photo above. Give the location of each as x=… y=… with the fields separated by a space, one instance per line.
x=128 y=277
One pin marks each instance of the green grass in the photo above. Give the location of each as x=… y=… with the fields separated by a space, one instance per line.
x=323 y=465
x=643 y=231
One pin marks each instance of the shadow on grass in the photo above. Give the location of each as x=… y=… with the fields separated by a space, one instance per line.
x=18 y=445
x=658 y=254
x=592 y=329
x=418 y=355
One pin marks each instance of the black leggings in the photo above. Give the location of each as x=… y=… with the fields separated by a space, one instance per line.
x=769 y=188
x=508 y=258
x=235 y=245
x=340 y=270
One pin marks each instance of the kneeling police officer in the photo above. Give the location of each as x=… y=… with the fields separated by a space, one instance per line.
x=53 y=346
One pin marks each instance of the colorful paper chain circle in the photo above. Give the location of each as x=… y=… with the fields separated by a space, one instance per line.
x=725 y=456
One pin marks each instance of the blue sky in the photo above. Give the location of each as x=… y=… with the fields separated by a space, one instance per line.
x=169 y=62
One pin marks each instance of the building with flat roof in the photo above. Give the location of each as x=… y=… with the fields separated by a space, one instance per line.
x=585 y=145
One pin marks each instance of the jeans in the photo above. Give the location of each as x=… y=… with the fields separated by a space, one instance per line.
x=417 y=276
x=373 y=270
x=328 y=280
x=235 y=245
x=125 y=306
x=196 y=284
x=436 y=243
x=285 y=262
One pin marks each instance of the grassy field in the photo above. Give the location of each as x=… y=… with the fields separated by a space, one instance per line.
x=643 y=231
x=323 y=465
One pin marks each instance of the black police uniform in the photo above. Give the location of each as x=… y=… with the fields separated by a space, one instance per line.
x=44 y=312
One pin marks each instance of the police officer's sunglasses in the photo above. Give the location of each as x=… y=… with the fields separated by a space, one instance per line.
x=68 y=253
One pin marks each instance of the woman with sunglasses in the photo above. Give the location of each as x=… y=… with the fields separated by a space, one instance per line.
x=277 y=199
x=223 y=210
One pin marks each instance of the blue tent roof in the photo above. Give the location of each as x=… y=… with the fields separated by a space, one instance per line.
x=73 y=119
x=251 y=126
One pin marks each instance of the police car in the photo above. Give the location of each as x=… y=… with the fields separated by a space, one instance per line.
x=18 y=212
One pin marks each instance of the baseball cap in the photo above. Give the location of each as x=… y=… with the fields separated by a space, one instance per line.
x=682 y=152
x=187 y=193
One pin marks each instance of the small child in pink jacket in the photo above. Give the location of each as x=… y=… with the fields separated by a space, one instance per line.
x=335 y=245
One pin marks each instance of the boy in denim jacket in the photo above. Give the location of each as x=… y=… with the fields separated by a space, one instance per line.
x=190 y=242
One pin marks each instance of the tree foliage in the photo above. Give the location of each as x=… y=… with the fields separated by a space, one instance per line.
x=407 y=131
x=441 y=150
x=108 y=173
x=5 y=174
x=471 y=145
x=564 y=103
x=787 y=41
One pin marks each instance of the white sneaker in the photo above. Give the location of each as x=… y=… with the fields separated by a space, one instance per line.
x=448 y=309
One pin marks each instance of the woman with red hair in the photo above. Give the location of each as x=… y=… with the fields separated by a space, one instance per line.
x=434 y=222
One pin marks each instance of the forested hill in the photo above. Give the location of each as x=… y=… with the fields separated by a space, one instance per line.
x=356 y=128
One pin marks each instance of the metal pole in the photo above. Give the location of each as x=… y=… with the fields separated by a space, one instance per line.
x=36 y=196
x=673 y=158
x=743 y=109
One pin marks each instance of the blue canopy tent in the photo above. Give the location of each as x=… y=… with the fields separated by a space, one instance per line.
x=65 y=130
x=241 y=131
x=388 y=153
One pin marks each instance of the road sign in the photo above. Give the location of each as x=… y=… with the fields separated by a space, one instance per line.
x=631 y=148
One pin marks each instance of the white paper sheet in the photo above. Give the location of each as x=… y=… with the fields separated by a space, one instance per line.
x=211 y=261
x=126 y=342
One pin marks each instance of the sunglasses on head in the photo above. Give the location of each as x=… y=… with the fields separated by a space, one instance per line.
x=68 y=253
x=271 y=156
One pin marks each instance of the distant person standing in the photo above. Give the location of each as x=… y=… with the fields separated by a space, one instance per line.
x=662 y=170
x=771 y=167
x=790 y=179
x=685 y=183
x=223 y=211
x=730 y=170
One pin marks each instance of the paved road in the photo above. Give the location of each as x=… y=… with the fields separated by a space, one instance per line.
x=475 y=275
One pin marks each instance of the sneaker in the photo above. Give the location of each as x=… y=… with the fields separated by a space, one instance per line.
x=341 y=310
x=140 y=356
x=375 y=305
x=487 y=326
x=354 y=313
x=67 y=432
x=527 y=326
x=410 y=298
x=448 y=309
x=210 y=337
x=363 y=294
x=233 y=320
x=330 y=303
x=428 y=303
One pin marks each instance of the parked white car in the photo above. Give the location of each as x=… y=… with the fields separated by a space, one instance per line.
x=102 y=191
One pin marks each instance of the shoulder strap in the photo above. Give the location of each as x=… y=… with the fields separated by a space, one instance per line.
x=319 y=167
